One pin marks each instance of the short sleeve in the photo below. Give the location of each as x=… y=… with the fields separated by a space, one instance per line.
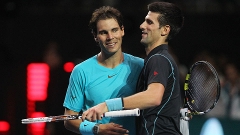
x=74 y=98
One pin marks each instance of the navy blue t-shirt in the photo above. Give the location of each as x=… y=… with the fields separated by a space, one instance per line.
x=160 y=67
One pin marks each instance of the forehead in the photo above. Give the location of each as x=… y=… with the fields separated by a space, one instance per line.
x=107 y=24
x=152 y=16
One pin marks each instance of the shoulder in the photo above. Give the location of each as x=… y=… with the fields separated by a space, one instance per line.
x=160 y=59
x=133 y=59
x=85 y=65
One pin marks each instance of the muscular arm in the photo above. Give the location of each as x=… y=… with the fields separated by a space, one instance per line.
x=72 y=125
x=142 y=100
x=146 y=99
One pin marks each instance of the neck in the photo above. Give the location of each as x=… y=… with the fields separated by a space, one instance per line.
x=110 y=61
x=149 y=48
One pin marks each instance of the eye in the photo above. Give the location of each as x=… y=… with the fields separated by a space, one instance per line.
x=115 y=29
x=102 y=32
x=149 y=22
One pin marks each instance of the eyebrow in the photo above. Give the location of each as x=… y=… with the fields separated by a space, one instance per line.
x=110 y=30
x=147 y=20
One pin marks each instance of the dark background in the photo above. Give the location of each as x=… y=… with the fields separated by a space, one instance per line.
x=27 y=27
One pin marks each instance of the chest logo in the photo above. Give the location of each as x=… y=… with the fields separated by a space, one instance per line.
x=110 y=76
x=155 y=73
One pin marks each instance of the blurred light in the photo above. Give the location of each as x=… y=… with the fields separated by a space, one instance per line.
x=4 y=126
x=68 y=66
x=37 y=81
x=212 y=127
x=38 y=128
x=38 y=75
x=30 y=107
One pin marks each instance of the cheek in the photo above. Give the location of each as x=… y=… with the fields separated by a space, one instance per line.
x=119 y=36
x=101 y=39
x=156 y=34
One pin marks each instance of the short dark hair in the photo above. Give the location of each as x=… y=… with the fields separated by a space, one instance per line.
x=170 y=15
x=103 y=13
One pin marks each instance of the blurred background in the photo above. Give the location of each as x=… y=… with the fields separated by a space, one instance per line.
x=56 y=32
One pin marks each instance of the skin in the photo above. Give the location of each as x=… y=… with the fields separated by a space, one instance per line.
x=152 y=36
x=109 y=37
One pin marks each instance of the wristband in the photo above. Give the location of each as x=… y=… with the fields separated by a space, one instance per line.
x=114 y=104
x=86 y=127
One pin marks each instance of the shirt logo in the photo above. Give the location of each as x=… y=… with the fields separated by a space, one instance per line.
x=155 y=73
x=73 y=97
x=110 y=76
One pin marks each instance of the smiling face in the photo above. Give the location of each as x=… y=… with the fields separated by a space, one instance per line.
x=152 y=34
x=109 y=36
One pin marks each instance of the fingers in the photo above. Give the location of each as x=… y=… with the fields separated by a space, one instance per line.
x=116 y=125
x=189 y=115
x=99 y=117
x=91 y=115
x=84 y=114
x=88 y=115
x=95 y=113
x=119 y=129
x=112 y=129
x=94 y=116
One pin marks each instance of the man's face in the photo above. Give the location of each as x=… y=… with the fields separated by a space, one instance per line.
x=109 y=35
x=151 y=32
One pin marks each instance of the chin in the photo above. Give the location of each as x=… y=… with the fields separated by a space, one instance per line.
x=143 y=43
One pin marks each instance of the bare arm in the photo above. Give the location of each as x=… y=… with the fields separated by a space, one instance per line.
x=72 y=125
x=104 y=129
x=142 y=100
x=146 y=99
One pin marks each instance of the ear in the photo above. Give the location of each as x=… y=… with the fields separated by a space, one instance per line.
x=165 y=30
x=122 y=28
x=95 y=37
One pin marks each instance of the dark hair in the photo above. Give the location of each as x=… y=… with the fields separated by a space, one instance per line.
x=103 y=13
x=170 y=15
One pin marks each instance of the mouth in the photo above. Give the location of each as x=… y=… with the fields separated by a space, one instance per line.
x=111 y=44
x=144 y=33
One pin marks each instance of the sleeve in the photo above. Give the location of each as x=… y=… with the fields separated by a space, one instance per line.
x=74 y=98
x=158 y=70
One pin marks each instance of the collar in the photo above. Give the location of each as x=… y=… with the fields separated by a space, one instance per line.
x=157 y=49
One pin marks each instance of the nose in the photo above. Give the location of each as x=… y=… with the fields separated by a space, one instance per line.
x=142 y=26
x=110 y=36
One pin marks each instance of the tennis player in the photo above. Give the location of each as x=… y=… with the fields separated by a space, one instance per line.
x=109 y=74
x=158 y=95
